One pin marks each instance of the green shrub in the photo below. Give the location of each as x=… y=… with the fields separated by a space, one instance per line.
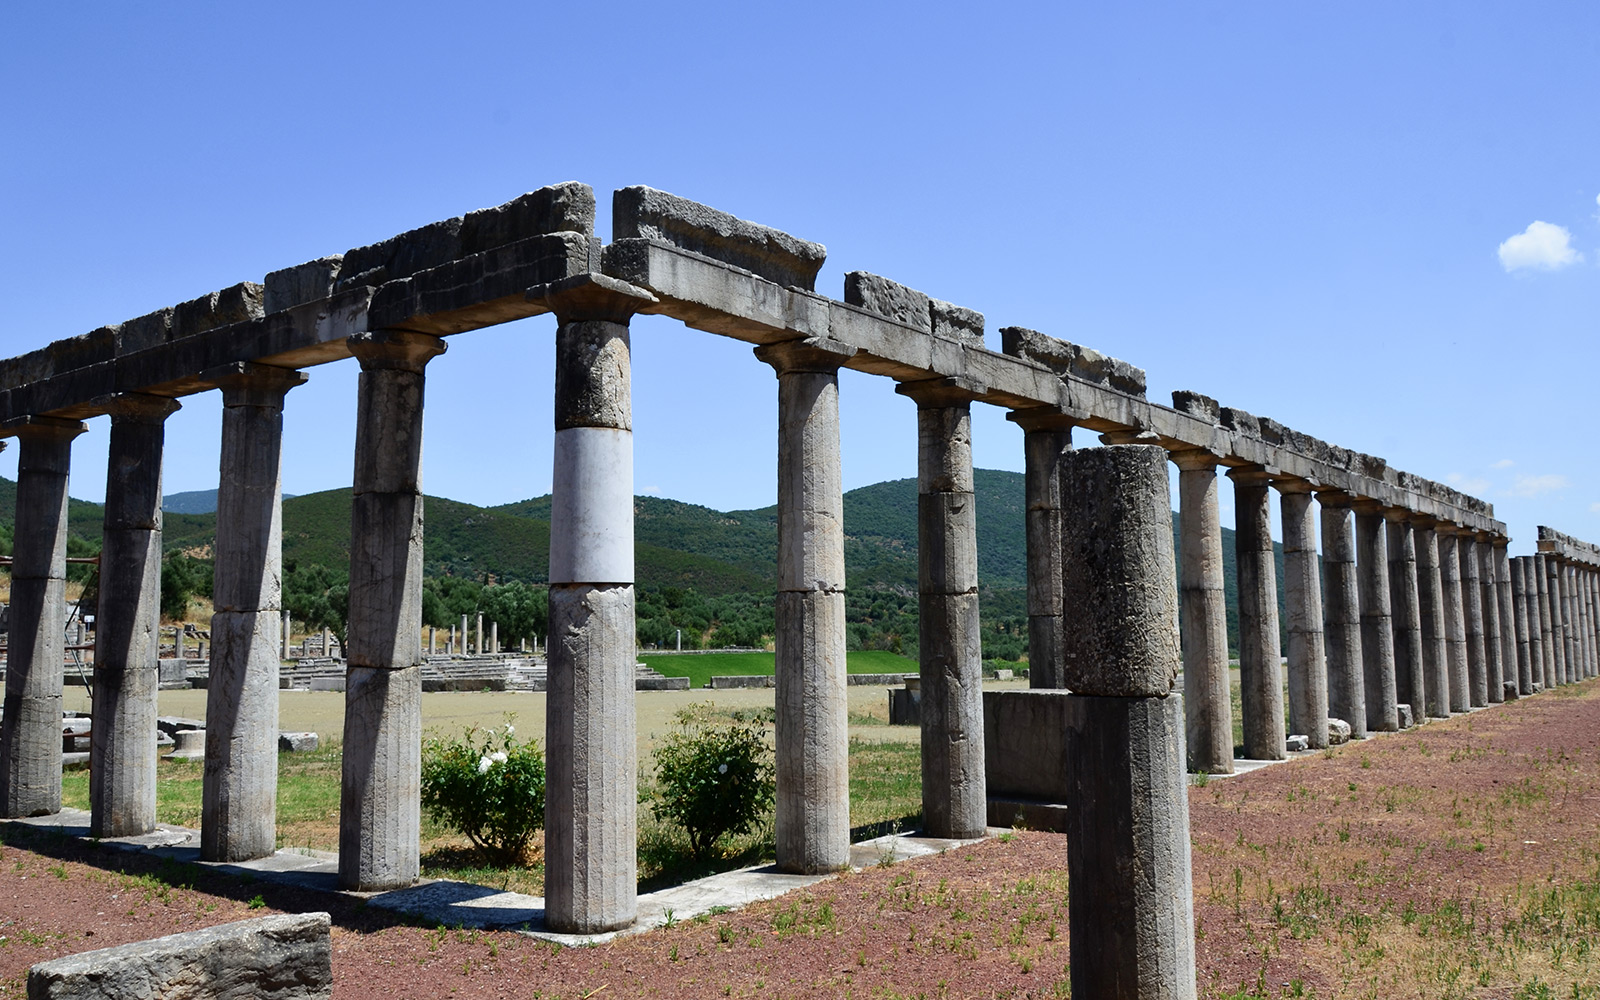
x=713 y=780
x=490 y=787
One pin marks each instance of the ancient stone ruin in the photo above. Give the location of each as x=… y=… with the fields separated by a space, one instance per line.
x=1417 y=613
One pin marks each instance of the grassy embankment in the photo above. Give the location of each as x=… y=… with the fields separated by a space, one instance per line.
x=701 y=667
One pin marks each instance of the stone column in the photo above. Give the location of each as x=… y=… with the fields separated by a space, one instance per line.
x=1589 y=617
x=812 y=723
x=590 y=802
x=380 y=798
x=1406 y=607
x=1547 y=633
x=1455 y=623
x=239 y=793
x=1130 y=906
x=1558 y=617
x=1046 y=437
x=1341 y=614
x=1302 y=584
x=1524 y=635
x=466 y=638
x=287 y=636
x=950 y=655
x=1435 y=630
x=494 y=637
x=30 y=728
x=479 y=647
x=122 y=780
x=1569 y=622
x=1380 y=689
x=1489 y=599
x=1507 y=614
x=433 y=641
x=1472 y=614
x=1260 y=673
x=1208 y=709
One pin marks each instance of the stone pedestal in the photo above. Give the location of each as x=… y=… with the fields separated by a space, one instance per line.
x=240 y=788
x=1130 y=902
x=1455 y=622
x=1377 y=623
x=812 y=723
x=1047 y=436
x=1302 y=585
x=1260 y=671
x=954 y=799
x=1341 y=614
x=122 y=782
x=591 y=796
x=1431 y=607
x=30 y=729
x=1472 y=615
x=1208 y=708
x=380 y=799
x=1406 y=611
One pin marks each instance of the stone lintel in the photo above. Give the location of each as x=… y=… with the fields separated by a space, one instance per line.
x=940 y=392
x=1367 y=505
x=644 y=212
x=244 y=383
x=1330 y=497
x=890 y=299
x=1196 y=405
x=591 y=296
x=395 y=350
x=1066 y=358
x=808 y=354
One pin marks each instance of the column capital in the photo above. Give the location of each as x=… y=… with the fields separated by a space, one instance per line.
x=1194 y=459
x=822 y=355
x=245 y=383
x=592 y=297
x=1294 y=484
x=1130 y=435
x=937 y=393
x=42 y=428
x=1252 y=475
x=395 y=350
x=138 y=407
x=1335 y=498
x=1041 y=418
x=1450 y=528
x=1399 y=515
x=1366 y=506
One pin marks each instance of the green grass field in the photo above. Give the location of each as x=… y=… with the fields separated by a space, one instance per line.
x=701 y=667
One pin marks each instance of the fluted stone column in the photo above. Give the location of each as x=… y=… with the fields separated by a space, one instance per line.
x=30 y=729
x=1260 y=673
x=1569 y=622
x=1472 y=614
x=1547 y=624
x=1302 y=585
x=1506 y=619
x=1341 y=614
x=1558 y=617
x=1380 y=688
x=239 y=797
x=1590 y=610
x=380 y=797
x=1406 y=610
x=954 y=803
x=1434 y=628
x=122 y=780
x=1489 y=599
x=1046 y=437
x=813 y=735
x=1208 y=709
x=1526 y=651
x=1455 y=622
x=1131 y=908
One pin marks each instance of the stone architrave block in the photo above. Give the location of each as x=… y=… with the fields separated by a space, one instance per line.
x=308 y=282
x=957 y=323
x=1024 y=744
x=430 y=246
x=297 y=742
x=643 y=212
x=1197 y=405
x=1239 y=421
x=890 y=299
x=92 y=348
x=145 y=332
x=1296 y=744
x=1064 y=357
x=234 y=304
x=567 y=207
x=1119 y=577
x=282 y=957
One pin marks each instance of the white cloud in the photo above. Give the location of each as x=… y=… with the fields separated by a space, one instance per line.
x=1595 y=507
x=1542 y=246
x=1468 y=484
x=1504 y=463
x=1532 y=486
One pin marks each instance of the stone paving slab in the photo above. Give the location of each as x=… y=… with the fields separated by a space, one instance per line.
x=462 y=904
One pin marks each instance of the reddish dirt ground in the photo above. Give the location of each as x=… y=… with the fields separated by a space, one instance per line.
x=1450 y=861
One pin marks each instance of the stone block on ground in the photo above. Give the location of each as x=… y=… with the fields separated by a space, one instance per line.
x=1407 y=720
x=1338 y=732
x=1024 y=745
x=171 y=725
x=282 y=957
x=905 y=707
x=643 y=212
x=297 y=742
x=723 y=683
x=1510 y=691
x=1295 y=744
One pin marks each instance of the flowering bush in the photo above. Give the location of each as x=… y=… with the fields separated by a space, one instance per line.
x=490 y=787
x=713 y=780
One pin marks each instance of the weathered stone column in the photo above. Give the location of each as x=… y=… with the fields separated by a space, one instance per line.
x=1130 y=905
x=1524 y=636
x=812 y=725
x=1260 y=673
x=1406 y=609
x=239 y=793
x=1558 y=617
x=590 y=728
x=1506 y=619
x=122 y=777
x=1302 y=584
x=1208 y=709
x=1455 y=623
x=1046 y=437
x=1547 y=632
x=1489 y=601
x=478 y=646
x=1590 y=616
x=30 y=730
x=1341 y=614
x=380 y=799
x=1435 y=631
x=1380 y=688
x=954 y=803
x=1569 y=621
x=1472 y=615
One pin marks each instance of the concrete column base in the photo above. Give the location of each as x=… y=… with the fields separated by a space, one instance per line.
x=382 y=779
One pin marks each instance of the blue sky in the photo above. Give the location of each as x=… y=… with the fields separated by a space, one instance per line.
x=1376 y=223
